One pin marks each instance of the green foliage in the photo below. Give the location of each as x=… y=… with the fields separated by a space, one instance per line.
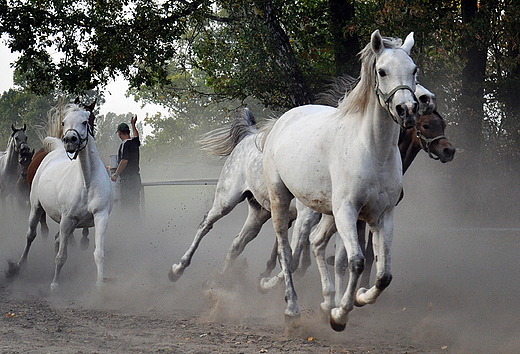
x=202 y=58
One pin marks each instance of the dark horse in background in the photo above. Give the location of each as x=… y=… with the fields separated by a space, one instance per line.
x=10 y=162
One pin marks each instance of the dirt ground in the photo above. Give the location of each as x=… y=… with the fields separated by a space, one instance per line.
x=454 y=289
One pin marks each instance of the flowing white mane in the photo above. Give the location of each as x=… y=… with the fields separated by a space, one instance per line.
x=357 y=100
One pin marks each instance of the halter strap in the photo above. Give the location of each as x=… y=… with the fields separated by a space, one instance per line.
x=386 y=97
x=426 y=142
x=81 y=141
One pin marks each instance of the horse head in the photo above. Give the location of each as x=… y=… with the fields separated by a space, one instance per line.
x=20 y=139
x=427 y=100
x=75 y=131
x=395 y=77
x=25 y=160
x=430 y=136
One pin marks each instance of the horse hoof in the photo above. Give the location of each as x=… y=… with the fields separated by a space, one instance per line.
x=174 y=275
x=13 y=270
x=292 y=320
x=84 y=243
x=262 y=288
x=338 y=327
x=54 y=287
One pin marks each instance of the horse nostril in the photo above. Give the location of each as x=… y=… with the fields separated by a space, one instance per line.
x=424 y=99
x=415 y=108
x=400 y=110
x=449 y=152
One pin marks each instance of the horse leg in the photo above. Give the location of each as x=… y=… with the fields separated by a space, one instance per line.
x=369 y=261
x=100 y=224
x=300 y=244
x=66 y=229
x=34 y=216
x=382 y=241
x=319 y=240
x=280 y=198
x=221 y=207
x=341 y=262
x=346 y=222
x=84 y=239
x=256 y=218
x=271 y=262
x=306 y=219
x=44 y=228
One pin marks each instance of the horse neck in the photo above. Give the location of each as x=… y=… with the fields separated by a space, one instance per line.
x=408 y=148
x=380 y=129
x=88 y=160
x=11 y=155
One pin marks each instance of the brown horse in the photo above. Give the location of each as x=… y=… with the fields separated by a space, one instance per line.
x=35 y=163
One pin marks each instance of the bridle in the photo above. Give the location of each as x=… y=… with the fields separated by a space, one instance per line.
x=386 y=97
x=81 y=140
x=426 y=142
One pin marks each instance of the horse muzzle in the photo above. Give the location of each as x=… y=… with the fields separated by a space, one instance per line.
x=407 y=113
x=72 y=142
x=24 y=149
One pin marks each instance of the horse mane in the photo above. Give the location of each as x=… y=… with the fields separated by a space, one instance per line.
x=51 y=143
x=222 y=141
x=357 y=100
x=340 y=87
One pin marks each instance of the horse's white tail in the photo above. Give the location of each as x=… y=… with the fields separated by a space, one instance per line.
x=222 y=141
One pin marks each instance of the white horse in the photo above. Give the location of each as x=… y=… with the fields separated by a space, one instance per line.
x=72 y=186
x=345 y=164
x=241 y=179
x=10 y=162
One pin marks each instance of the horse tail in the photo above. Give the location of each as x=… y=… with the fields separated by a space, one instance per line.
x=339 y=88
x=262 y=134
x=222 y=141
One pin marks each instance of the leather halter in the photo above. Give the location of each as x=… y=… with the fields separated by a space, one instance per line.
x=426 y=142
x=81 y=141
x=386 y=97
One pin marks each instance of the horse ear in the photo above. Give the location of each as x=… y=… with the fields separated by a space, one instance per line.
x=90 y=107
x=408 y=43
x=13 y=128
x=24 y=127
x=76 y=101
x=377 y=42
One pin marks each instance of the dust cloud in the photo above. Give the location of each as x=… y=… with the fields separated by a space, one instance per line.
x=454 y=262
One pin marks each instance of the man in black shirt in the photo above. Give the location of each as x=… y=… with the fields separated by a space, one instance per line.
x=128 y=168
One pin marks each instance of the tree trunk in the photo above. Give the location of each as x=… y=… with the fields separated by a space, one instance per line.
x=298 y=89
x=346 y=46
x=473 y=75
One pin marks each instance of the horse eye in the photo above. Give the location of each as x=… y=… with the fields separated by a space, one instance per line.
x=62 y=124
x=426 y=126
x=85 y=123
x=382 y=73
